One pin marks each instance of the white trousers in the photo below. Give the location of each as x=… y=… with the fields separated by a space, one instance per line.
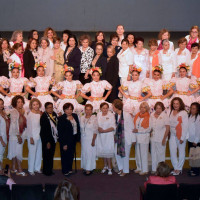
x=174 y=144
x=34 y=155
x=157 y=154
x=2 y=150
x=123 y=162
x=141 y=157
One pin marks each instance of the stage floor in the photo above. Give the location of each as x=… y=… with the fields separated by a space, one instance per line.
x=101 y=186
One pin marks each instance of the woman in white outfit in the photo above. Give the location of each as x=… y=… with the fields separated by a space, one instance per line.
x=159 y=122
x=105 y=138
x=4 y=127
x=34 y=140
x=89 y=130
x=179 y=134
x=167 y=60
x=17 y=134
x=142 y=130
x=124 y=137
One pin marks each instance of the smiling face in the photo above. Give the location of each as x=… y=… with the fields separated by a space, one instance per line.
x=68 y=111
x=194 y=33
x=4 y=45
x=114 y=41
x=72 y=42
x=40 y=71
x=44 y=44
x=100 y=37
x=182 y=72
x=99 y=50
x=19 y=38
x=57 y=44
x=20 y=104
x=165 y=36
x=166 y=45
x=120 y=30
x=95 y=76
x=35 y=106
x=194 y=50
x=104 y=109
x=50 y=34
x=193 y=110
x=109 y=52
x=153 y=47
x=15 y=73
x=135 y=76
x=33 y=45
x=158 y=110
x=124 y=45
x=143 y=109
x=139 y=45
x=156 y=75
x=35 y=35
x=130 y=39
x=19 y=50
x=88 y=111
x=176 y=105
x=65 y=37
x=85 y=43
x=68 y=76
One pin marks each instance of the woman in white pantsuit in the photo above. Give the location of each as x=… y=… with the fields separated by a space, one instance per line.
x=159 y=122
x=34 y=140
x=142 y=130
x=124 y=137
x=179 y=134
x=89 y=130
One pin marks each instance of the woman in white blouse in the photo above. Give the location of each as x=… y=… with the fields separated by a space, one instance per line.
x=167 y=60
x=141 y=57
x=179 y=134
x=124 y=137
x=89 y=130
x=105 y=138
x=159 y=122
x=17 y=134
x=182 y=54
x=44 y=55
x=194 y=133
x=142 y=130
x=125 y=57
x=34 y=140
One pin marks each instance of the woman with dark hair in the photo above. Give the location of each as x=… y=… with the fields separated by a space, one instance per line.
x=30 y=58
x=72 y=56
x=114 y=39
x=69 y=135
x=159 y=122
x=49 y=135
x=5 y=51
x=67 y=190
x=65 y=36
x=141 y=57
x=162 y=176
x=17 y=134
x=179 y=134
x=194 y=133
x=131 y=41
x=99 y=38
x=33 y=34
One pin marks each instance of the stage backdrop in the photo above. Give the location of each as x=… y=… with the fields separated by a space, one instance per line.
x=93 y=15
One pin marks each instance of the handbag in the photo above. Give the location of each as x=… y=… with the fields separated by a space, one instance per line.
x=194 y=157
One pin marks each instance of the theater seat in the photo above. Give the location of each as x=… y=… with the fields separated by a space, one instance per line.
x=27 y=192
x=159 y=192
x=189 y=191
x=5 y=193
x=49 y=191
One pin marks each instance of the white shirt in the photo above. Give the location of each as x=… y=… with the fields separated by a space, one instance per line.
x=171 y=44
x=63 y=46
x=125 y=60
x=159 y=126
x=194 y=129
x=184 y=57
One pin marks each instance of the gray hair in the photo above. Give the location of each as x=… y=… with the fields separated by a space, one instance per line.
x=164 y=41
x=14 y=35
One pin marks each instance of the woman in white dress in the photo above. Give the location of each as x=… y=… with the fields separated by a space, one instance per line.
x=164 y=35
x=105 y=138
x=34 y=140
x=89 y=131
x=45 y=54
x=142 y=130
x=134 y=88
x=167 y=60
x=193 y=37
x=124 y=137
x=154 y=88
x=17 y=134
x=141 y=57
x=182 y=54
x=125 y=57
x=4 y=128
x=41 y=84
x=69 y=88
x=179 y=134
x=97 y=88
x=16 y=85
x=159 y=122
x=183 y=86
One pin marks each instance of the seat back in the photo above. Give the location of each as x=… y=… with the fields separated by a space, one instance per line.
x=27 y=192
x=189 y=191
x=158 y=192
x=5 y=193
x=49 y=191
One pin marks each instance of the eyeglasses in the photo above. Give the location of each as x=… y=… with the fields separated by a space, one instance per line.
x=194 y=32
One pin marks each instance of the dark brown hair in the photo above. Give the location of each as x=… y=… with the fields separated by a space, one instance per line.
x=152 y=42
x=15 y=99
x=85 y=37
x=162 y=31
x=97 y=34
x=103 y=104
x=56 y=39
x=159 y=104
x=15 y=47
x=88 y=106
x=118 y=104
x=28 y=46
x=114 y=35
x=68 y=105
x=182 y=40
x=182 y=105
x=1 y=42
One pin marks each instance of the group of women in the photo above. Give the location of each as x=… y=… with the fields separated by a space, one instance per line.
x=156 y=88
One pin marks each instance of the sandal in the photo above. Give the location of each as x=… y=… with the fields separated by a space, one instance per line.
x=21 y=174
x=104 y=170
x=13 y=171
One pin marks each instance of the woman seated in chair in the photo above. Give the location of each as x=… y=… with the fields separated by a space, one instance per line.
x=162 y=176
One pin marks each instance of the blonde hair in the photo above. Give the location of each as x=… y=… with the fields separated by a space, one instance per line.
x=49 y=29
x=112 y=49
x=146 y=105
x=195 y=27
x=34 y=100
x=14 y=35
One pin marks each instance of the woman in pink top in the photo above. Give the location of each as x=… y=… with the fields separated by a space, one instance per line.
x=162 y=176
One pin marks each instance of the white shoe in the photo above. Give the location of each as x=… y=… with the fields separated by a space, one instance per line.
x=39 y=172
x=104 y=170
x=32 y=173
x=109 y=171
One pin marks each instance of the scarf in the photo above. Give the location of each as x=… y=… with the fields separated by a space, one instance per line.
x=155 y=61
x=22 y=62
x=160 y=47
x=22 y=123
x=196 y=67
x=145 y=122
x=190 y=43
x=119 y=135
x=179 y=128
